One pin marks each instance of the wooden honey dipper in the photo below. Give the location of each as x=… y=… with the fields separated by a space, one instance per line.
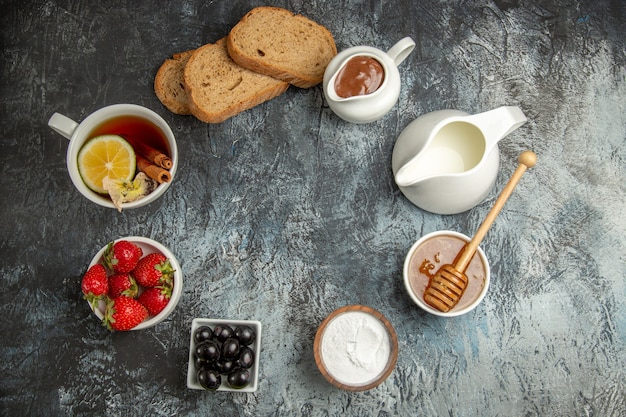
x=446 y=288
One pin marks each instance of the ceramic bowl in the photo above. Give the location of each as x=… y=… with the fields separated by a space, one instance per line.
x=356 y=366
x=192 y=379
x=478 y=272
x=148 y=246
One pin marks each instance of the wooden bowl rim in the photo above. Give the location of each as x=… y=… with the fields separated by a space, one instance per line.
x=393 y=354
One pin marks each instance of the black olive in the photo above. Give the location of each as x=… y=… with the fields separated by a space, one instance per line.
x=246 y=357
x=222 y=351
x=221 y=332
x=201 y=363
x=208 y=351
x=245 y=334
x=230 y=348
x=224 y=366
x=202 y=334
x=209 y=379
x=239 y=378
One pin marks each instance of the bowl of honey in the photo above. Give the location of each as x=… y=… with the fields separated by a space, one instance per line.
x=430 y=253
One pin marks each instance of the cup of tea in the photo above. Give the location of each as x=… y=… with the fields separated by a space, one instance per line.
x=430 y=253
x=142 y=128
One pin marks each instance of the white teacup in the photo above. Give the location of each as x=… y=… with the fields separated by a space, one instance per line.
x=79 y=133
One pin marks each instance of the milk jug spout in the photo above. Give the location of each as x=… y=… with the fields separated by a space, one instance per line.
x=411 y=173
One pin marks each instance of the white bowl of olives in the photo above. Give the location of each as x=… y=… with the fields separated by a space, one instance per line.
x=224 y=355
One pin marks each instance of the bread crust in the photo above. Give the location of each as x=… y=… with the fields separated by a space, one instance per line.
x=218 y=88
x=278 y=43
x=169 y=86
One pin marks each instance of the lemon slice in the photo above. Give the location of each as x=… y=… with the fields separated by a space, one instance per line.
x=106 y=156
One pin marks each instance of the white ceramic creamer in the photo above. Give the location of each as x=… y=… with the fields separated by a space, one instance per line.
x=447 y=161
x=369 y=107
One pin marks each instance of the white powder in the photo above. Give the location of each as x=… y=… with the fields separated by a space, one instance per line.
x=355 y=348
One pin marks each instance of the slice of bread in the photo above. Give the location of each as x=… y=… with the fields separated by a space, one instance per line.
x=218 y=88
x=275 y=42
x=169 y=86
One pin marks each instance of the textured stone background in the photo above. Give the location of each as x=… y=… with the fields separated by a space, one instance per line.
x=285 y=213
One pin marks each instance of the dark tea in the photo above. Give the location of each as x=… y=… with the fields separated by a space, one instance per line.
x=136 y=130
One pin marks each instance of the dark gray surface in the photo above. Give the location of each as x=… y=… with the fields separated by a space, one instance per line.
x=285 y=213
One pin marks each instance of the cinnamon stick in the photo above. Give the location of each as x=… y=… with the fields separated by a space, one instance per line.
x=155 y=172
x=152 y=154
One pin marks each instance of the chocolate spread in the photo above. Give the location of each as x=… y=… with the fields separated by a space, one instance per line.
x=360 y=76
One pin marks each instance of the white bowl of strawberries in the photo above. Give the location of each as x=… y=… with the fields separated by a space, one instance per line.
x=132 y=283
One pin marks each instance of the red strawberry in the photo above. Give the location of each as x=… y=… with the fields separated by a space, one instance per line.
x=95 y=284
x=153 y=269
x=122 y=256
x=124 y=313
x=122 y=284
x=155 y=298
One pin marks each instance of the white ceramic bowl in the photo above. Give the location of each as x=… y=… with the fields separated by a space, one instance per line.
x=192 y=379
x=148 y=246
x=467 y=301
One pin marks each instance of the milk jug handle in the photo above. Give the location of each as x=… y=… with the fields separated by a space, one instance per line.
x=401 y=50
x=498 y=123
x=516 y=117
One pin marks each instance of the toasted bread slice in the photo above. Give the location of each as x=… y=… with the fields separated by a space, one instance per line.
x=275 y=42
x=169 y=86
x=218 y=88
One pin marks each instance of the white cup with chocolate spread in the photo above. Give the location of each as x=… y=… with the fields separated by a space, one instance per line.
x=362 y=83
x=430 y=253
